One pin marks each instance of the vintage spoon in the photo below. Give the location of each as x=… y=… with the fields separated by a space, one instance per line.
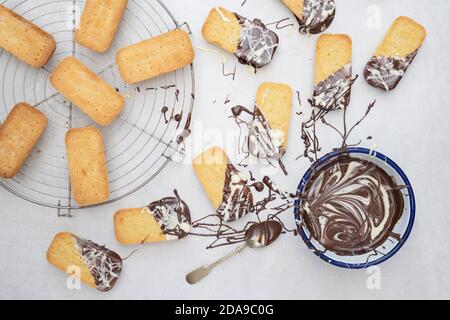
x=259 y=235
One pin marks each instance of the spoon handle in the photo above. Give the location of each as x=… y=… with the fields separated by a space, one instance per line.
x=200 y=273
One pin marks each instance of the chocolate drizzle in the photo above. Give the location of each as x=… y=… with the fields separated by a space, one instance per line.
x=335 y=90
x=105 y=265
x=317 y=16
x=386 y=72
x=350 y=205
x=261 y=141
x=173 y=216
x=257 y=44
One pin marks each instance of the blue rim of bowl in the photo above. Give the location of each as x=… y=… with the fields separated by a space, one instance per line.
x=412 y=204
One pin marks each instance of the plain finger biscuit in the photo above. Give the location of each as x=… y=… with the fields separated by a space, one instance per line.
x=395 y=53
x=87 y=166
x=163 y=220
x=333 y=71
x=96 y=265
x=90 y=93
x=314 y=16
x=250 y=41
x=99 y=23
x=225 y=186
x=18 y=135
x=153 y=57
x=24 y=40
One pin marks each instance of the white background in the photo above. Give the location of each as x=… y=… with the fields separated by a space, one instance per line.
x=410 y=124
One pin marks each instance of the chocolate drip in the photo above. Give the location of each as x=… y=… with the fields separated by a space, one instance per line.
x=257 y=44
x=317 y=16
x=350 y=205
x=173 y=215
x=386 y=72
x=334 y=92
x=105 y=265
x=237 y=197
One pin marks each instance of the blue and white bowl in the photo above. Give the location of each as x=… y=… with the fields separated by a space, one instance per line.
x=402 y=228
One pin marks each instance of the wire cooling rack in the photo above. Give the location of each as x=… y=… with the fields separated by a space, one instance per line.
x=139 y=144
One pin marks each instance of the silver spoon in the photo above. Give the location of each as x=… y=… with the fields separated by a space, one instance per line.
x=259 y=235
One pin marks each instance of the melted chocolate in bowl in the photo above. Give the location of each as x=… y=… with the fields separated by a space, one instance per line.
x=351 y=205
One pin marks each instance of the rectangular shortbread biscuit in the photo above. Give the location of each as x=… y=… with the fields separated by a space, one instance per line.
x=99 y=23
x=153 y=57
x=24 y=40
x=137 y=225
x=90 y=93
x=210 y=168
x=403 y=37
x=18 y=135
x=275 y=102
x=87 y=166
x=333 y=52
x=222 y=29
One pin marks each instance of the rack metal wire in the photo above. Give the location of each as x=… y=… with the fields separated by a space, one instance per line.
x=139 y=144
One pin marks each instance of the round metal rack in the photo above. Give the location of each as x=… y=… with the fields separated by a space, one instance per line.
x=139 y=144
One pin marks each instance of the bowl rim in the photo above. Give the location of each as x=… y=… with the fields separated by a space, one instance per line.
x=411 y=197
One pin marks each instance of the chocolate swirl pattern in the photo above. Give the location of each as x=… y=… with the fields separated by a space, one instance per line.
x=105 y=265
x=350 y=205
x=257 y=44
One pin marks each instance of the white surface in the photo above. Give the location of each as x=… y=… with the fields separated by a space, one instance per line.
x=410 y=124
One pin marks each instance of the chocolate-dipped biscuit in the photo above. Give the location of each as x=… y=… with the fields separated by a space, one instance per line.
x=249 y=40
x=350 y=205
x=162 y=220
x=393 y=57
x=333 y=72
x=99 y=267
x=313 y=16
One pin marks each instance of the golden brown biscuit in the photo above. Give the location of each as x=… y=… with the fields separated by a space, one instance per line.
x=223 y=29
x=333 y=52
x=18 y=135
x=87 y=166
x=153 y=57
x=296 y=7
x=24 y=40
x=99 y=23
x=394 y=55
x=274 y=100
x=90 y=93
x=98 y=266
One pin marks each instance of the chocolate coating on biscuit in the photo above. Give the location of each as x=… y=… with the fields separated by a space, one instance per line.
x=173 y=215
x=350 y=205
x=386 y=72
x=317 y=16
x=257 y=44
x=104 y=264
x=334 y=91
